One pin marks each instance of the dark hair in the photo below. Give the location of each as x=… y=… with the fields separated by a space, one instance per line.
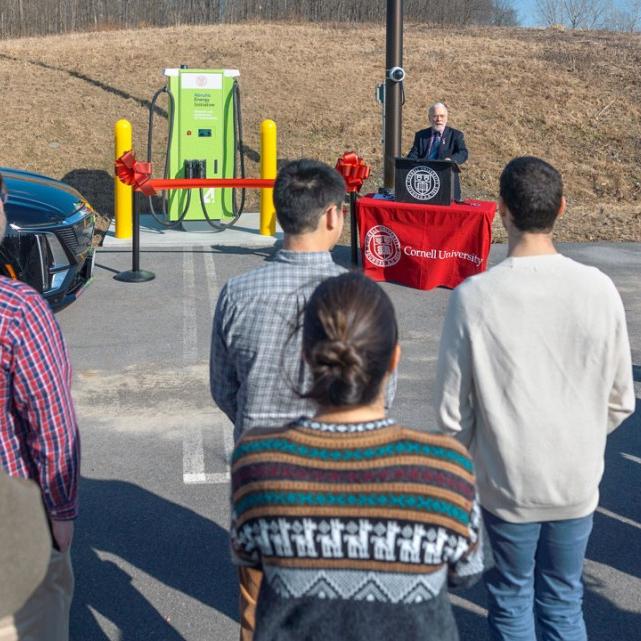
x=349 y=335
x=532 y=190
x=302 y=191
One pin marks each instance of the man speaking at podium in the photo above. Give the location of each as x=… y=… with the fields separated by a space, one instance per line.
x=440 y=142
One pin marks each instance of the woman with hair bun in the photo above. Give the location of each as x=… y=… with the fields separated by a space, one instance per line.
x=357 y=523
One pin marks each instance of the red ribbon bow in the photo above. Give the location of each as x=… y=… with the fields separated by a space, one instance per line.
x=136 y=174
x=353 y=170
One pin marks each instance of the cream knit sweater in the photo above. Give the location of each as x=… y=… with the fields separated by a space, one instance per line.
x=534 y=371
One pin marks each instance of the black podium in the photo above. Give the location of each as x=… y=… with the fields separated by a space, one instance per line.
x=425 y=181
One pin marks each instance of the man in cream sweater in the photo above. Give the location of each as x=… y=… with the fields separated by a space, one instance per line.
x=534 y=371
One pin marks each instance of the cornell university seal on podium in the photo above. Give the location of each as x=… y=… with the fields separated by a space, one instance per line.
x=422 y=182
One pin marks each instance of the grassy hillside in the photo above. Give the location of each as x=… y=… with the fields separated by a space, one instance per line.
x=573 y=98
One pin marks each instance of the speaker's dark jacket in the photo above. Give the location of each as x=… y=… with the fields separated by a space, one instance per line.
x=452 y=146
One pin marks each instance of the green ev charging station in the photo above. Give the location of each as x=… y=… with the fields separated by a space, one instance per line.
x=204 y=141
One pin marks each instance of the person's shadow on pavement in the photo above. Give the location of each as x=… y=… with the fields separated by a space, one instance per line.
x=171 y=543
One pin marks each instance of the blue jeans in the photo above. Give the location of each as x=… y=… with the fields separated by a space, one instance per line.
x=537 y=572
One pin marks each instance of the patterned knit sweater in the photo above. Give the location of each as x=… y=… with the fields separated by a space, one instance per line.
x=357 y=528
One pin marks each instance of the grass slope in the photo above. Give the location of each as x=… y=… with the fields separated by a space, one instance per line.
x=573 y=98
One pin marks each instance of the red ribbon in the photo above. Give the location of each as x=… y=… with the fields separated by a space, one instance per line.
x=134 y=173
x=353 y=169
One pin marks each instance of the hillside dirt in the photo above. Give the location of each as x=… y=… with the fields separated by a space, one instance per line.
x=573 y=98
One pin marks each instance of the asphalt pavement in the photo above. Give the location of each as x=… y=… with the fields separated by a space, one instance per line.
x=151 y=550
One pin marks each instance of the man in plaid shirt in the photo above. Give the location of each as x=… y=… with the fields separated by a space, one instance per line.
x=39 y=440
x=255 y=361
x=255 y=350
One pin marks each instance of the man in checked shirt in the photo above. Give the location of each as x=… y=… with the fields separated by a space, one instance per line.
x=38 y=440
x=255 y=361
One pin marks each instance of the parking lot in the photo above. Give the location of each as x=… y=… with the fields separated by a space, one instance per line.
x=151 y=551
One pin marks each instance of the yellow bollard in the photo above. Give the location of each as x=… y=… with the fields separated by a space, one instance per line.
x=123 y=194
x=268 y=169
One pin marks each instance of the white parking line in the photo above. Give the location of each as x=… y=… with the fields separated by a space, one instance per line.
x=618 y=517
x=215 y=478
x=468 y=605
x=194 y=454
x=194 y=461
x=212 y=281
x=193 y=442
x=190 y=329
x=630 y=457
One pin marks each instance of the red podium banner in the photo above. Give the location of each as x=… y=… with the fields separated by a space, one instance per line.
x=424 y=246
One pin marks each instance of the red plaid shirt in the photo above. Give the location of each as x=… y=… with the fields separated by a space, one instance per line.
x=38 y=429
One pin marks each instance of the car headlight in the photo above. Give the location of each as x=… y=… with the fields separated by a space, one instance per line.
x=85 y=209
x=57 y=251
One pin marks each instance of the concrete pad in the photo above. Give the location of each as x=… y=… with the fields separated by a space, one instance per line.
x=245 y=233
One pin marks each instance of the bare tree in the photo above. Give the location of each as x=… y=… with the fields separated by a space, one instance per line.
x=39 y=17
x=591 y=14
x=504 y=14
x=21 y=14
x=549 y=12
x=584 y=14
x=627 y=18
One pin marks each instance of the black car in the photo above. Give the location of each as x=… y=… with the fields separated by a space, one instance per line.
x=49 y=236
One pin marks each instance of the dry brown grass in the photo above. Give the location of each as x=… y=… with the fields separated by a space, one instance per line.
x=573 y=98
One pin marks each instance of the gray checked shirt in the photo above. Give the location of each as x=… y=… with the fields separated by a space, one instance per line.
x=256 y=360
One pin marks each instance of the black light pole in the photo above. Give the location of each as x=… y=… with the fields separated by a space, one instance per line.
x=394 y=75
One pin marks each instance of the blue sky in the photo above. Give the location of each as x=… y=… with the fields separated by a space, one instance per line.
x=526 y=11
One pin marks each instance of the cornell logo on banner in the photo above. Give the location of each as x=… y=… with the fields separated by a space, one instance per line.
x=422 y=183
x=382 y=246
